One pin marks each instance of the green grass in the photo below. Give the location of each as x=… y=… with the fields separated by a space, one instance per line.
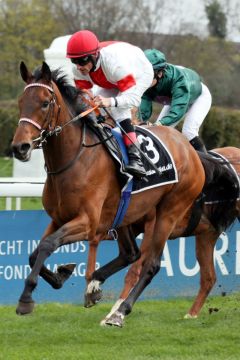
x=155 y=330
x=6 y=166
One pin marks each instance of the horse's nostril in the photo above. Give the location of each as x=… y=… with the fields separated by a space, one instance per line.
x=24 y=148
x=20 y=149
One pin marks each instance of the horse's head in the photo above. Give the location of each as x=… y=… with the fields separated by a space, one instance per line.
x=38 y=109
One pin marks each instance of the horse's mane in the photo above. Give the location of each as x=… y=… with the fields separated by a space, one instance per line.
x=69 y=92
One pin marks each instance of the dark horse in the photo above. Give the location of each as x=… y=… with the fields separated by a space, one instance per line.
x=82 y=190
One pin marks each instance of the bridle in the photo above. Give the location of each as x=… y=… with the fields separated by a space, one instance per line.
x=45 y=133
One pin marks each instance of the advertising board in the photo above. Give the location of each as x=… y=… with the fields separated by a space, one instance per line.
x=21 y=231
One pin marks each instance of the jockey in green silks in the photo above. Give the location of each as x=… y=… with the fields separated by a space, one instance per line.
x=182 y=94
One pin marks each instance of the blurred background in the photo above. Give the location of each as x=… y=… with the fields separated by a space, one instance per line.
x=203 y=35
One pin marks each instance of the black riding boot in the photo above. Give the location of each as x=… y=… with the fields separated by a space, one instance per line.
x=135 y=166
x=198 y=144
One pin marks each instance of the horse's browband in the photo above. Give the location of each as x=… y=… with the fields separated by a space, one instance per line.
x=31 y=122
x=40 y=85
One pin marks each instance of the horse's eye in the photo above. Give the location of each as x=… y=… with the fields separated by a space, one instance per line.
x=45 y=104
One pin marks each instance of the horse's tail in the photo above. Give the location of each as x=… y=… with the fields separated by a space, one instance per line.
x=221 y=188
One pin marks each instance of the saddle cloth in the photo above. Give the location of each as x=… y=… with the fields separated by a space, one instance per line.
x=157 y=152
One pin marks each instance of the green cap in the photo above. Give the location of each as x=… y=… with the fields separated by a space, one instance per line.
x=156 y=58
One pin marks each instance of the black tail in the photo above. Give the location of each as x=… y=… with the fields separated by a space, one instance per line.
x=221 y=189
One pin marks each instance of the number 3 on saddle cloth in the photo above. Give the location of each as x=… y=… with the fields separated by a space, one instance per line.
x=157 y=153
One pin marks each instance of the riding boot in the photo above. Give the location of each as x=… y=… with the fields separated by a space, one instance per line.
x=135 y=166
x=198 y=144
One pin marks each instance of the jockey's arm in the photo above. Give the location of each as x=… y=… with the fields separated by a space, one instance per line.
x=145 y=108
x=131 y=77
x=178 y=107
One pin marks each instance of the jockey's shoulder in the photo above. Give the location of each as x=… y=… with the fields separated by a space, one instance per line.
x=180 y=73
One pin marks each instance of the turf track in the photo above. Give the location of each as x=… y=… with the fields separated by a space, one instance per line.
x=155 y=330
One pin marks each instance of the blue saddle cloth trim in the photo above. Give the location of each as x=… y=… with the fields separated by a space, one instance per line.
x=127 y=190
x=123 y=205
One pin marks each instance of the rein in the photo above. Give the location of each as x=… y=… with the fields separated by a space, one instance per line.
x=71 y=162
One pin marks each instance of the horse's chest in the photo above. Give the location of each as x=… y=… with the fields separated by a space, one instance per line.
x=61 y=205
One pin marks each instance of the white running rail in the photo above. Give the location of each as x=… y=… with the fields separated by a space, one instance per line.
x=18 y=187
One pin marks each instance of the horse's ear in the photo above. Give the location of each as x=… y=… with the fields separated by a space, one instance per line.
x=46 y=72
x=26 y=75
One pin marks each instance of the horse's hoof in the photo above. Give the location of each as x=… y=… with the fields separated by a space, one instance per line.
x=103 y=322
x=115 y=319
x=91 y=299
x=66 y=270
x=25 y=308
x=63 y=273
x=189 y=316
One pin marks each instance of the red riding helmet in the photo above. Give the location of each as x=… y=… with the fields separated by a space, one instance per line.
x=82 y=43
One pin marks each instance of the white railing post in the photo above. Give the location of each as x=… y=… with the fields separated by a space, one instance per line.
x=18 y=203
x=8 y=203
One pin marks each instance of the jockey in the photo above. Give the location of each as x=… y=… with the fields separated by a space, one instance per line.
x=122 y=73
x=182 y=94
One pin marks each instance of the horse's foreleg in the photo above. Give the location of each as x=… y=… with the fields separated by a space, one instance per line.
x=93 y=294
x=128 y=253
x=204 y=252
x=44 y=249
x=149 y=270
x=134 y=271
x=75 y=230
x=131 y=280
x=167 y=215
x=55 y=279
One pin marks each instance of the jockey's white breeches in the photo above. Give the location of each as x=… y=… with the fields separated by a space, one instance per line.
x=195 y=115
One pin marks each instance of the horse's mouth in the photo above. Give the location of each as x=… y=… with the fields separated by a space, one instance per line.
x=23 y=158
x=26 y=158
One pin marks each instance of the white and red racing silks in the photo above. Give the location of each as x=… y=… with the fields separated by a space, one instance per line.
x=120 y=66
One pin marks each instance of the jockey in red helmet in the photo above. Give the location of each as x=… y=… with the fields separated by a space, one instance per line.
x=122 y=73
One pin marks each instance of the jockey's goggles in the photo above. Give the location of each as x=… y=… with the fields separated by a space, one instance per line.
x=81 y=60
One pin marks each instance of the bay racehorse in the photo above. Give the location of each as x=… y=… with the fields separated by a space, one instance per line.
x=206 y=220
x=82 y=189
